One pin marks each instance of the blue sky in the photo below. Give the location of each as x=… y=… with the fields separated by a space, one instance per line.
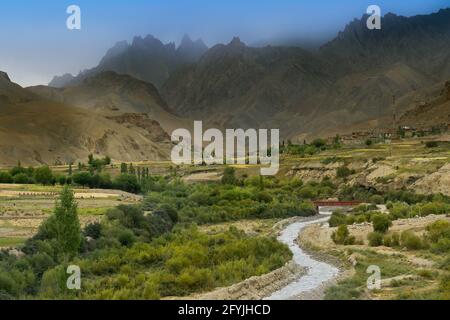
x=35 y=43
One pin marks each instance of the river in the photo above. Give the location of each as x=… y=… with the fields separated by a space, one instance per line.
x=317 y=272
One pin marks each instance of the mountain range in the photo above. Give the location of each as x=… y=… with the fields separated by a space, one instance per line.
x=146 y=59
x=361 y=78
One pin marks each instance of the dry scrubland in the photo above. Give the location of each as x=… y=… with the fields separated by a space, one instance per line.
x=405 y=273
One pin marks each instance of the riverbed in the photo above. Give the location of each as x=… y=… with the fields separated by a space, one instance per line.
x=318 y=272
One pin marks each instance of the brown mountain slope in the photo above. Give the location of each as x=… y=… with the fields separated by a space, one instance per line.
x=429 y=112
x=36 y=131
x=112 y=94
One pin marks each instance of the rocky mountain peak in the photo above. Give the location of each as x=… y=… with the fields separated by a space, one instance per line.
x=4 y=76
x=236 y=42
x=116 y=50
x=190 y=51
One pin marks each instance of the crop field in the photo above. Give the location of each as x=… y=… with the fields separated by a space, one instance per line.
x=24 y=207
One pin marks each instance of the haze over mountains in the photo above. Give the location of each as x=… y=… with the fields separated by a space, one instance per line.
x=150 y=86
x=145 y=59
x=350 y=79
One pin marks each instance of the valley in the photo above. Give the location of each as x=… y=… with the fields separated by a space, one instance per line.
x=379 y=173
x=88 y=176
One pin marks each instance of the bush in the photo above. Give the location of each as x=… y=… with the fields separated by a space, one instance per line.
x=431 y=144
x=5 y=177
x=93 y=230
x=229 y=176
x=319 y=143
x=395 y=239
x=411 y=241
x=21 y=178
x=375 y=239
x=342 y=236
x=343 y=172
x=387 y=241
x=438 y=230
x=442 y=246
x=377 y=199
x=307 y=192
x=381 y=223
x=337 y=219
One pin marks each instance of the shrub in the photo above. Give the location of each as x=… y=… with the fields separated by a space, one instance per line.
x=307 y=192
x=229 y=176
x=395 y=239
x=93 y=230
x=21 y=178
x=411 y=241
x=438 y=230
x=381 y=223
x=431 y=144
x=343 y=172
x=441 y=246
x=387 y=241
x=337 y=218
x=53 y=283
x=319 y=143
x=5 y=177
x=377 y=199
x=375 y=239
x=342 y=236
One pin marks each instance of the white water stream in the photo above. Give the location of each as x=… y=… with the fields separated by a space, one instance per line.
x=317 y=272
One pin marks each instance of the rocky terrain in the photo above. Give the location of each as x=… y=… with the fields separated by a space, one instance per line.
x=38 y=130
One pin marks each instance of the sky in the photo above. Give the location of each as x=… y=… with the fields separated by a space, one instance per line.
x=35 y=43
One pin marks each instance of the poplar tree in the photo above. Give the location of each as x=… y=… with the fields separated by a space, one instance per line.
x=67 y=225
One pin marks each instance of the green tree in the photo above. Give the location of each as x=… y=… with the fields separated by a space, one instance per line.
x=319 y=143
x=43 y=175
x=123 y=168
x=131 y=169
x=21 y=178
x=82 y=178
x=67 y=225
x=342 y=236
x=229 y=176
x=5 y=177
x=127 y=182
x=381 y=223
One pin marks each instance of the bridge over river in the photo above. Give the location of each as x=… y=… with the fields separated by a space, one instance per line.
x=328 y=206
